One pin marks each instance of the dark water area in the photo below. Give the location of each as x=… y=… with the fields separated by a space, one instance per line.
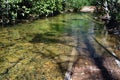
x=41 y=49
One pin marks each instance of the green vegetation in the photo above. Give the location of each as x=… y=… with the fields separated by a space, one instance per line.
x=77 y=4
x=46 y=7
x=38 y=50
x=109 y=10
x=13 y=11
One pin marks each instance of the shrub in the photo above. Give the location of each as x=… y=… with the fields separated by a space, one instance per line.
x=77 y=4
x=21 y=9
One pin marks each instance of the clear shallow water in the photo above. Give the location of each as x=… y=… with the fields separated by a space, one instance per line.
x=49 y=41
x=110 y=41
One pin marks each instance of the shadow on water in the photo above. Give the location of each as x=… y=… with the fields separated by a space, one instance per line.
x=98 y=60
x=57 y=27
x=52 y=36
x=45 y=38
x=57 y=30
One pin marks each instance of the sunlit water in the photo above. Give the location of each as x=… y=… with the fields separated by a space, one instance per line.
x=37 y=50
x=110 y=41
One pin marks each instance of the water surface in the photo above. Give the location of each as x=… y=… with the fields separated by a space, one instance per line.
x=40 y=50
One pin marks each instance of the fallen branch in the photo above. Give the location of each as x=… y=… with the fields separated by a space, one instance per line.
x=112 y=54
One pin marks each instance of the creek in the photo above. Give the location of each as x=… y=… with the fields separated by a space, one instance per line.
x=42 y=49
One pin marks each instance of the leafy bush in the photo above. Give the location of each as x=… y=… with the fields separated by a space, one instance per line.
x=77 y=4
x=13 y=10
x=21 y=9
x=46 y=7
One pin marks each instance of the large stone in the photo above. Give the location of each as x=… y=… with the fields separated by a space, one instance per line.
x=88 y=9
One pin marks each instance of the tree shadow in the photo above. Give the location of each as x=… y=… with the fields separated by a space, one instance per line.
x=46 y=38
x=57 y=27
x=98 y=60
x=49 y=37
